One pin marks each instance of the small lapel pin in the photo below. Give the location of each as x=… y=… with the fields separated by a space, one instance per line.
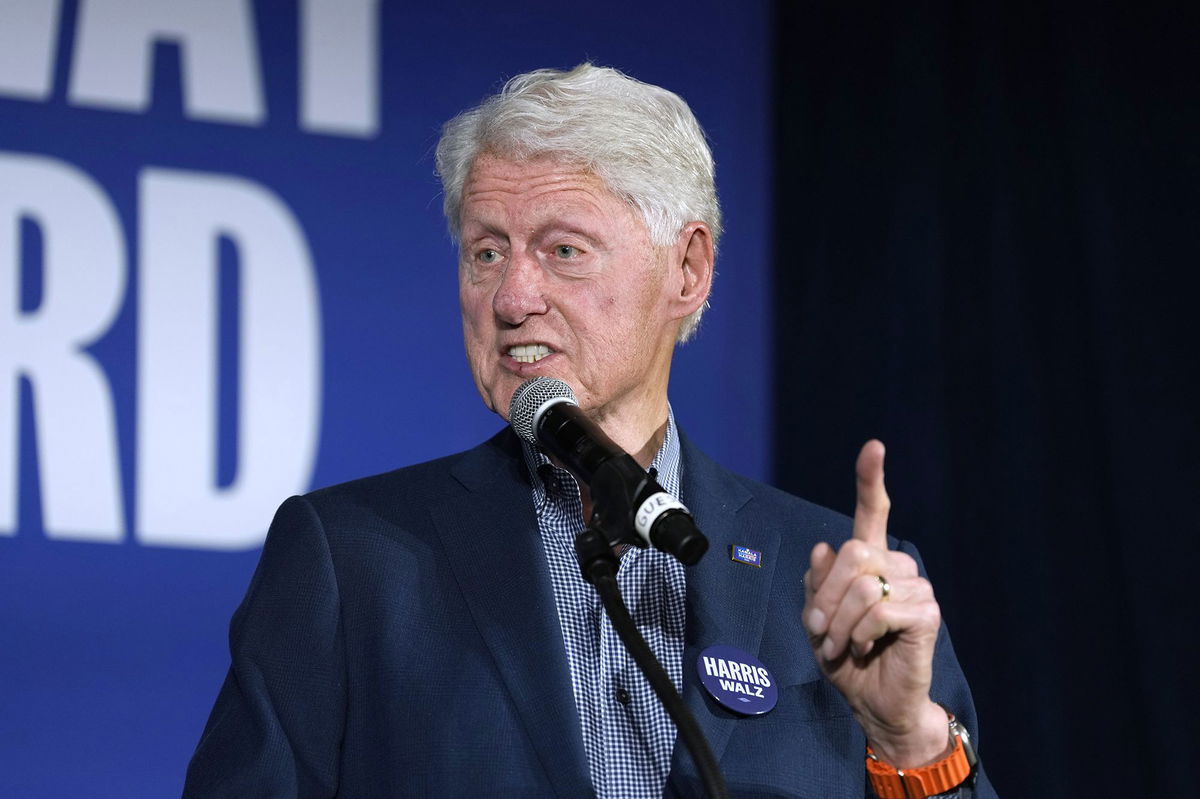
x=751 y=557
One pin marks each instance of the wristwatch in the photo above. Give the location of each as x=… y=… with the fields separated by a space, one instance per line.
x=944 y=775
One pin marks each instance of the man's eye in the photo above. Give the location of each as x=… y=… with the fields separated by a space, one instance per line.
x=488 y=256
x=565 y=251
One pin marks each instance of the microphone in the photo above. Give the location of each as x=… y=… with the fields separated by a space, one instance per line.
x=625 y=498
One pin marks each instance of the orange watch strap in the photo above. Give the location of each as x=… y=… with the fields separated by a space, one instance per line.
x=946 y=774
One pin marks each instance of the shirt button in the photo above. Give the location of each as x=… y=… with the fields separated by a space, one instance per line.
x=623 y=696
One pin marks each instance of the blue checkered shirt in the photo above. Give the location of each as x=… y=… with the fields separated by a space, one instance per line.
x=627 y=734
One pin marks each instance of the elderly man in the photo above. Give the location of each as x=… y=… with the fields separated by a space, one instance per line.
x=427 y=632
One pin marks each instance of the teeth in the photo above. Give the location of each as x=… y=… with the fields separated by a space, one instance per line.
x=529 y=353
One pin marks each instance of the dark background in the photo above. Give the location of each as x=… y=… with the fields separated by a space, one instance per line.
x=985 y=239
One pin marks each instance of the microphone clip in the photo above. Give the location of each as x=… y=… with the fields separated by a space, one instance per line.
x=630 y=507
x=616 y=487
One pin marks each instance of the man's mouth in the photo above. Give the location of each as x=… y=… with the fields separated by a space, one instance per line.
x=529 y=353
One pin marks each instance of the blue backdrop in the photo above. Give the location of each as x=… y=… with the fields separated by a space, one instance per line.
x=224 y=278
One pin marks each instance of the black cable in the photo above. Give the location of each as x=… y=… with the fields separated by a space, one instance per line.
x=599 y=566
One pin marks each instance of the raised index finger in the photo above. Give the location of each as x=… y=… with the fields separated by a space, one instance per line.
x=871 y=512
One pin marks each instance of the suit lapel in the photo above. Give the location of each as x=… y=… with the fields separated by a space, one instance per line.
x=727 y=601
x=491 y=537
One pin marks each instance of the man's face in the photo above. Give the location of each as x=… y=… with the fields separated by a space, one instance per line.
x=557 y=277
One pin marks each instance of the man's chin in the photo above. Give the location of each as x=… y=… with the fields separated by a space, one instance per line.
x=499 y=399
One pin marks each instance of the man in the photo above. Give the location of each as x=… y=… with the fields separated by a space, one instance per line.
x=427 y=633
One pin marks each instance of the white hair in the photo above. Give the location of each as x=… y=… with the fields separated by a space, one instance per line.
x=641 y=140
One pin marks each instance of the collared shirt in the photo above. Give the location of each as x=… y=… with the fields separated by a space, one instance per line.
x=627 y=735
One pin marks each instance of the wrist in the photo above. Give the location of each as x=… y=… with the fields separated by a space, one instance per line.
x=946 y=774
x=924 y=742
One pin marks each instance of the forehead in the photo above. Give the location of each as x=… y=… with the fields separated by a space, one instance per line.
x=527 y=189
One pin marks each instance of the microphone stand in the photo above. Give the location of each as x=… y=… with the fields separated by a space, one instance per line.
x=599 y=564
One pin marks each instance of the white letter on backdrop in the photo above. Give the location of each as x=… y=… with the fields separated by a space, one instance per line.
x=218 y=56
x=83 y=284
x=28 y=34
x=182 y=217
x=339 y=67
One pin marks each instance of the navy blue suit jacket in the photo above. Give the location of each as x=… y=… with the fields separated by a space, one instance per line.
x=400 y=638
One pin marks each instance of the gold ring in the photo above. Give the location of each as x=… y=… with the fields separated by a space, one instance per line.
x=885 y=587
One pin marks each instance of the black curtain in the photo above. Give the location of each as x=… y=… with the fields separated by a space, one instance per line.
x=985 y=249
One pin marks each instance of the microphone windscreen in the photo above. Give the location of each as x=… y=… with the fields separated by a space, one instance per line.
x=529 y=399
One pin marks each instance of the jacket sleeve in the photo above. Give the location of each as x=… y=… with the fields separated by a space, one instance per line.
x=276 y=728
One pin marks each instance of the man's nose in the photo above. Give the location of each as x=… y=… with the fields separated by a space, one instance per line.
x=521 y=292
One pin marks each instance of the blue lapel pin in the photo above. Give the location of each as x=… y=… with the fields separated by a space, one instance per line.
x=741 y=554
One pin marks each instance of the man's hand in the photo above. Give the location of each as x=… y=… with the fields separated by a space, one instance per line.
x=873 y=622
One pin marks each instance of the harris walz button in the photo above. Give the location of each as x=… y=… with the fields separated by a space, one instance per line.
x=737 y=680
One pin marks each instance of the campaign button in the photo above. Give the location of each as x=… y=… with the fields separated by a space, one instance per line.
x=741 y=554
x=737 y=680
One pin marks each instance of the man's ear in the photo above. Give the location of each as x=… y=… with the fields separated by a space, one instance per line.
x=693 y=255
